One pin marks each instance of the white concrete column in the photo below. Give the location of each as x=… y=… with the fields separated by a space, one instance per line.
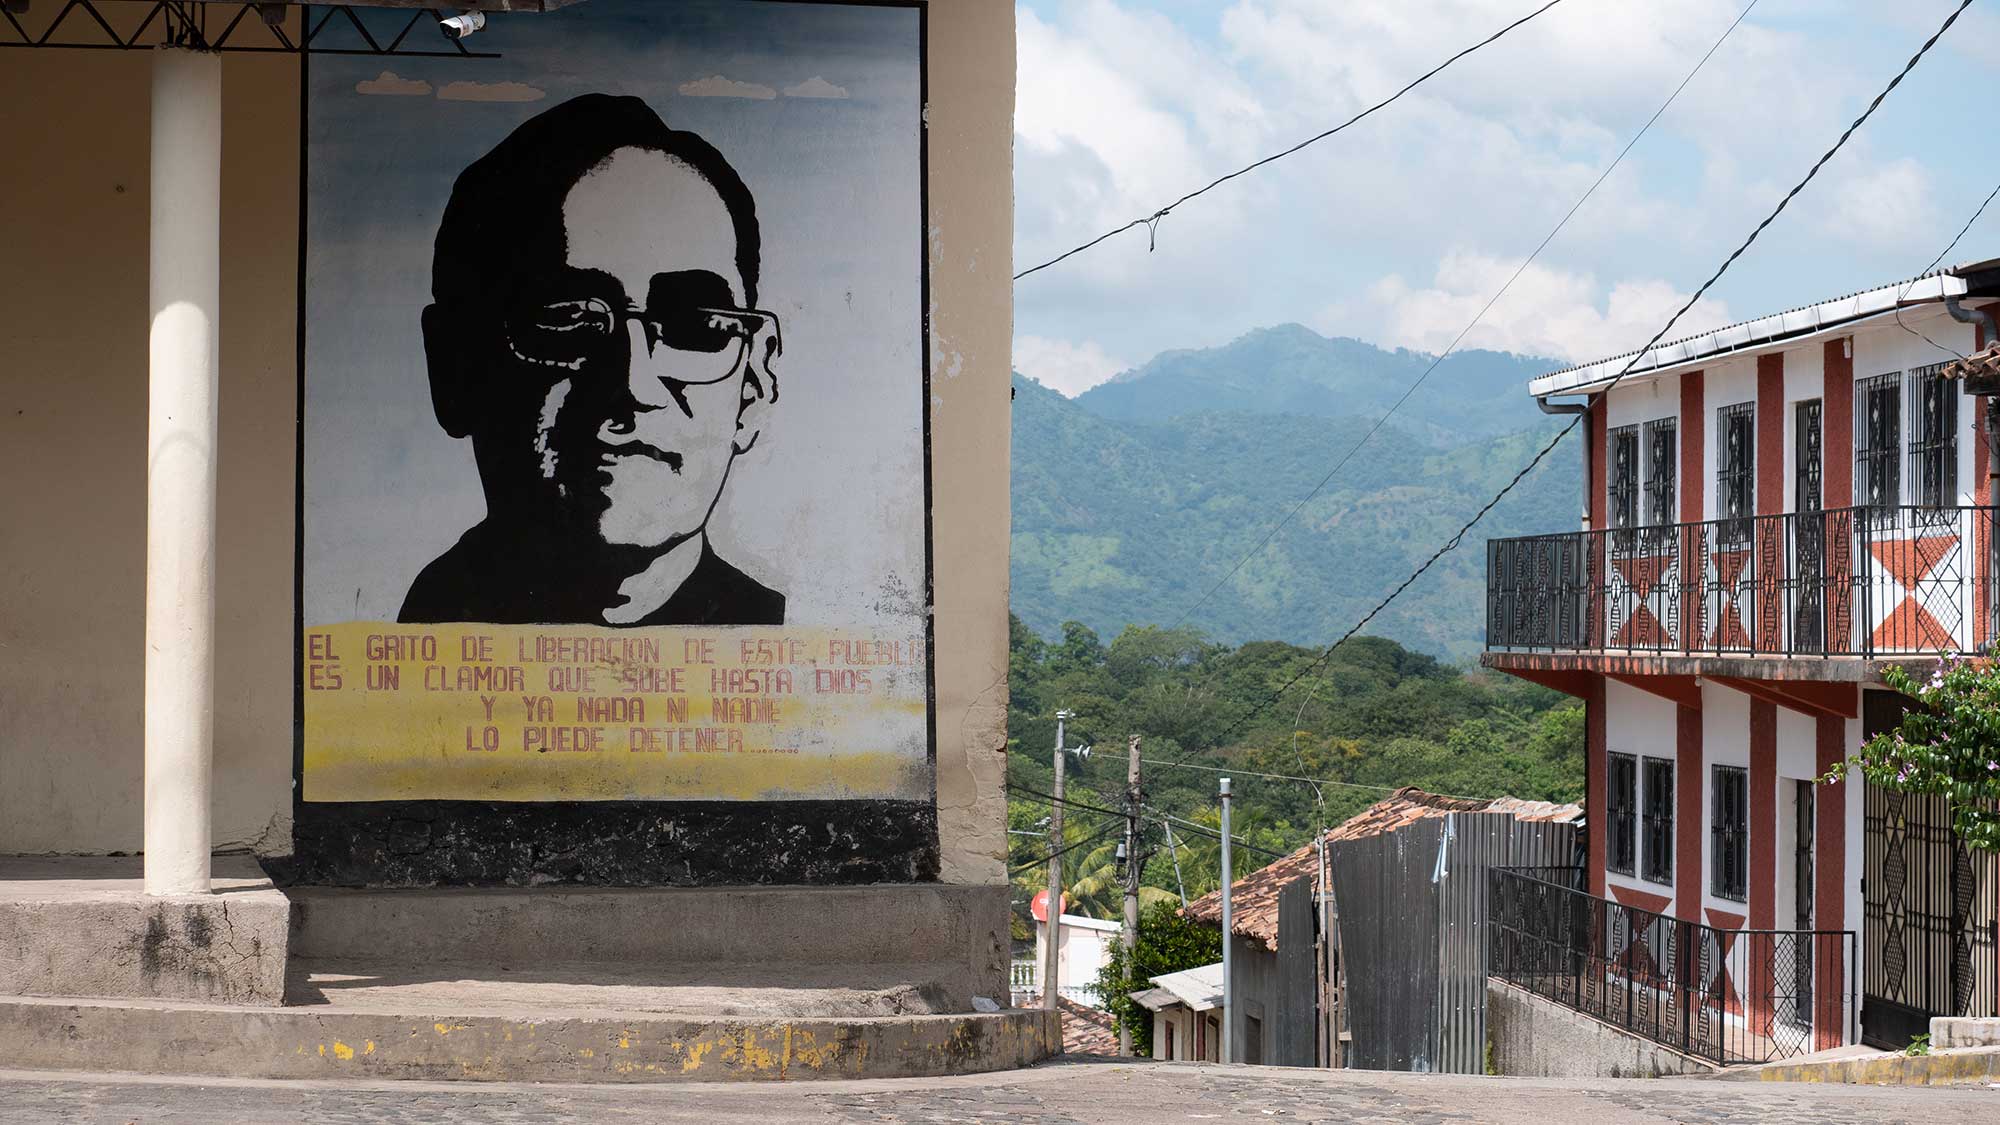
x=180 y=467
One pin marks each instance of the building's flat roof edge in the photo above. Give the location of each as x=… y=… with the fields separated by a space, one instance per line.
x=1787 y=327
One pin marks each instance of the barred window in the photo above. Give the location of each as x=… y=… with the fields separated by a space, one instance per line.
x=1736 y=480
x=1933 y=437
x=1622 y=479
x=1621 y=800
x=1729 y=834
x=1662 y=460
x=1658 y=821
x=1878 y=441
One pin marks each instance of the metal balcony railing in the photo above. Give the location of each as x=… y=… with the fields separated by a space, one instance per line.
x=1730 y=996
x=1847 y=582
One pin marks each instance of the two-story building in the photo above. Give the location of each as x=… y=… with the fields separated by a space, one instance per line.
x=1772 y=513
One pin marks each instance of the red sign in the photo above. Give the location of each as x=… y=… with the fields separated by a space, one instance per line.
x=1039 y=906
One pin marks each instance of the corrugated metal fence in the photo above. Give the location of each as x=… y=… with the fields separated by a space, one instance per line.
x=1411 y=907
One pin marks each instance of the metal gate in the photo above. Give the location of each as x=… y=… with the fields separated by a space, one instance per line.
x=1928 y=904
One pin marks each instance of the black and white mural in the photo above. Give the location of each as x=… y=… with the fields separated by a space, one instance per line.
x=614 y=416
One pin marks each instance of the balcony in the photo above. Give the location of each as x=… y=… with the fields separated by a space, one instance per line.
x=1728 y=996
x=1850 y=582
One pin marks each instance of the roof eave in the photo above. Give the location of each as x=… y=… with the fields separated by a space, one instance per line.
x=1779 y=329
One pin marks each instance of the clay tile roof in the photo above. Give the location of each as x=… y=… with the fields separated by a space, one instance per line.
x=1980 y=366
x=1086 y=1030
x=1255 y=905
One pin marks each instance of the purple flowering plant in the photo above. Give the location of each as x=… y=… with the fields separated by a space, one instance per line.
x=1948 y=743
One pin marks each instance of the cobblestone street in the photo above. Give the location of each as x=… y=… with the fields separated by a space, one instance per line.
x=1060 y=1093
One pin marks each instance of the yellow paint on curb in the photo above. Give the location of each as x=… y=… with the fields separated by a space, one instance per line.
x=342 y=1051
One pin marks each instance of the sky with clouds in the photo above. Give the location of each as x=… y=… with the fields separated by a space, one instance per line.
x=1399 y=229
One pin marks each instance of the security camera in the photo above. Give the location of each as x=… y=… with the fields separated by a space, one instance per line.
x=462 y=25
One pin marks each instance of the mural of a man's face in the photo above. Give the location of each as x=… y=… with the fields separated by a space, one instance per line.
x=621 y=391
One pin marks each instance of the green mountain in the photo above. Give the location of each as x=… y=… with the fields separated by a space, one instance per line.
x=1293 y=370
x=1135 y=498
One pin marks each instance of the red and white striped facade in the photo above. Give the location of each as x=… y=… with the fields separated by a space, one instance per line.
x=1711 y=679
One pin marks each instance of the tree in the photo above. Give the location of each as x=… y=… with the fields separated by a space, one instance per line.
x=1167 y=943
x=1947 y=744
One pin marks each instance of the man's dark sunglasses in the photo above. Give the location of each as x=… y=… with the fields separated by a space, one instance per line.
x=704 y=344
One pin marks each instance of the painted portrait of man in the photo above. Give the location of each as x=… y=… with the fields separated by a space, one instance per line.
x=594 y=334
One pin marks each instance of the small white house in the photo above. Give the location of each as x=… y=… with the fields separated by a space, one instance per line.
x=1187 y=1013
x=1084 y=949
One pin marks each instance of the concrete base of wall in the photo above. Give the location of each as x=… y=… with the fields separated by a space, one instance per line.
x=1965 y=1031
x=530 y=984
x=83 y=926
x=1883 y=1068
x=521 y=1046
x=950 y=941
x=1529 y=1036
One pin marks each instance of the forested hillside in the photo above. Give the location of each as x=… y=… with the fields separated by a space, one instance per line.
x=1130 y=501
x=1376 y=717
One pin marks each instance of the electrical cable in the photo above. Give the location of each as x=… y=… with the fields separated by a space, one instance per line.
x=1201 y=829
x=1295 y=777
x=1152 y=221
x=1925 y=272
x=1066 y=800
x=1289 y=516
x=1459 y=537
x=1062 y=851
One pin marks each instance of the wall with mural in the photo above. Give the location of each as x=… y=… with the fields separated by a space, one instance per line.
x=614 y=538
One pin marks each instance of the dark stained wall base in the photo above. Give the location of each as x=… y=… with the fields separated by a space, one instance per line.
x=611 y=843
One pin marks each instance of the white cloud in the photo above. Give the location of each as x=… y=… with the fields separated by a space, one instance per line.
x=463 y=91
x=1066 y=367
x=814 y=87
x=390 y=84
x=1122 y=109
x=716 y=86
x=1886 y=205
x=1548 y=312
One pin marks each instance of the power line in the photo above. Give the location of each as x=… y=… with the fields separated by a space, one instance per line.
x=1064 y=850
x=1152 y=221
x=1289 y=516
x=1066 y=800
x=1201 y=829
x=1295 y=777
x=1459 y=537
x=1934 y=264
x=1192 y=825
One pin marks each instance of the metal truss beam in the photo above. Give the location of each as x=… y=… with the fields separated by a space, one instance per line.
x=239 y=27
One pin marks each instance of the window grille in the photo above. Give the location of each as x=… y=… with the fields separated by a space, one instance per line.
x=1621 y=783
x=1878 y=441
x=1622 y=481
x=1736 y=481
x=1729 y=834
x=1933 y=437
x=1662 y=461
x=1658 y=821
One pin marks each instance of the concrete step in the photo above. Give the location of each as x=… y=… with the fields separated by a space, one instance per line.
x=714 y=990
x=433 y=1039
x=83 y=926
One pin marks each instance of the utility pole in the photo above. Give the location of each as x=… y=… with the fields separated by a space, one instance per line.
x=1227 y=1053
x=1052 y=931
x=1174 y=850
x=1052 y=954
x=1133 y=800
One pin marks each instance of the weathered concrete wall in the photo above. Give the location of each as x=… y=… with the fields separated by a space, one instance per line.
x=1530 y=1037
x=73 y=310
x=72 y=305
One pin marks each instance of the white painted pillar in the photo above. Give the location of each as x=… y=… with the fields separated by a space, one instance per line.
x=180 y=467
